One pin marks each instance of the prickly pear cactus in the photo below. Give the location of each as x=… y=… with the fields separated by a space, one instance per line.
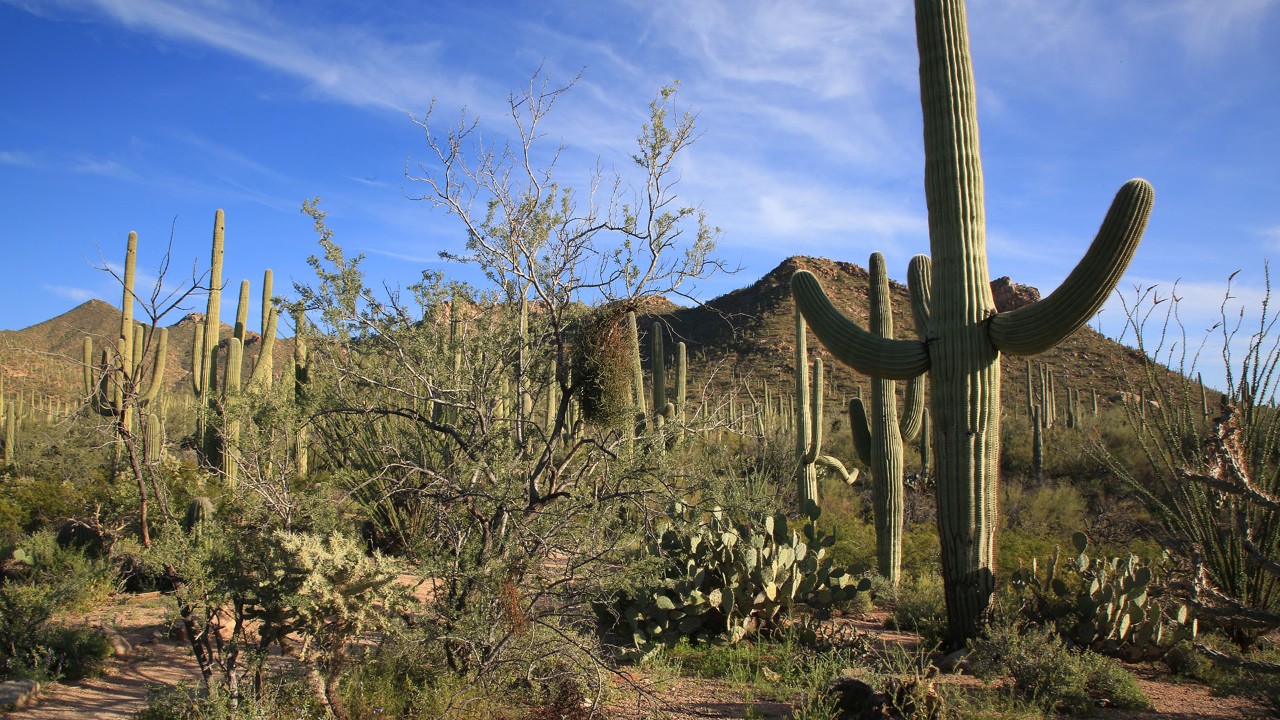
x=1105 y=604
x=724 y=577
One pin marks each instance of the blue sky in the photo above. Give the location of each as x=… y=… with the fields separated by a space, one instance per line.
x=146 y=115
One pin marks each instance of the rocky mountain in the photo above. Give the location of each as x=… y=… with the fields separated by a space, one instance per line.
x=748 y=332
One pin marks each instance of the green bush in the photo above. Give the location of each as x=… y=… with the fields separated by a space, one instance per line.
x=1045 y=672
x=31 y=646
x=920 y=604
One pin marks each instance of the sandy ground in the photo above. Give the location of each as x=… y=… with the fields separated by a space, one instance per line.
x=157 y=661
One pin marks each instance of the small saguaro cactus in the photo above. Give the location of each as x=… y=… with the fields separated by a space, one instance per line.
x=964 y=332
x=878 y=436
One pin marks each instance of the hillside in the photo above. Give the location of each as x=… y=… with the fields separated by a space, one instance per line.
x=751 y=331
x=748 y=332
x=46 y=358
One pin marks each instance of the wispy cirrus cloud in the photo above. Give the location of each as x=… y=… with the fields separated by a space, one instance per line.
x=105 y=168
x=16 y=158
x=71 y=293
x=364 y=69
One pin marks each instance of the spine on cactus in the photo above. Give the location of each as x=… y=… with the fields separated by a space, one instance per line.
x=966 y=333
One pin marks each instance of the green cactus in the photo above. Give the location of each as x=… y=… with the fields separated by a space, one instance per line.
x=724 y=578
x=114 y=390
x=1037 y=444
x=878 y=435
x=301 y=379
x=808 y=422
x=218 y=439
x=10 y=434
x=1106 y=604
x=965 y=333
x=199 y=514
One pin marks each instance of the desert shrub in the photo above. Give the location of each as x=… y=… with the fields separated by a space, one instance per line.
x=33 y=646
x=1044 y=671
x=919 y=604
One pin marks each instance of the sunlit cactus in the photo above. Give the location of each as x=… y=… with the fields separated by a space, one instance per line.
x=964 y=332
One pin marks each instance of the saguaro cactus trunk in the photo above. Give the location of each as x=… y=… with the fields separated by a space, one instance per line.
x=879 y=434
x=964 y=333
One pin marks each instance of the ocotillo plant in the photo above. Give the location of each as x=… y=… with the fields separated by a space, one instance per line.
x=965 y=333
x=878 y=436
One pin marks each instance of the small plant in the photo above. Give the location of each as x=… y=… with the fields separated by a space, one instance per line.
x=723 y=578
x=1049 y=674
x=919 y=604
x=1106 y=604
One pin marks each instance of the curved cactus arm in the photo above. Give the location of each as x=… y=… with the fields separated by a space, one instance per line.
x=832 y=463
x=912 y=409
x=920 y=289
x=1038 y=327
x=861 y=429
x=260 y=378
x=855 y=347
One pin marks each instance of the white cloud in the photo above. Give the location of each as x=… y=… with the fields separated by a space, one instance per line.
x=362 y=69
x=19 y=159
x=71 y=293
x=105 y=168
x=1208 y=30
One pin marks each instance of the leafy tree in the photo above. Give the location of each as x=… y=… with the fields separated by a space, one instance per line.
x=449 y=414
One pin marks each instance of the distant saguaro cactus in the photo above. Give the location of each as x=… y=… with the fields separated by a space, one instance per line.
x=965 y=333
x=878 y=436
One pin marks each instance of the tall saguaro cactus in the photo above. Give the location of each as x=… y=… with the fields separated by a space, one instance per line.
x=878 y=436
x=118 y=389
x=964 y=333
x=218 y=440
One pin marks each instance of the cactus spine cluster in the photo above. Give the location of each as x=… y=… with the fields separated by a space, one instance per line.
x=878 y=436
x=965 y=334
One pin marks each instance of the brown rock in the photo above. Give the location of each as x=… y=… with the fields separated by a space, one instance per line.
x=1009 y=295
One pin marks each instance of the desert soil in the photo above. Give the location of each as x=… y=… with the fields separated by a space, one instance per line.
x=158 y=661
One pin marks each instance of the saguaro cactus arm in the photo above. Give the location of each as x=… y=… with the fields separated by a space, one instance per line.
x=1038 y=327
x=920 y=290
x=865 y=352
x=861 y=430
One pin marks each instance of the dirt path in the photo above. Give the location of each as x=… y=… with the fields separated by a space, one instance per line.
x=123 y=690
x=157 y=661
